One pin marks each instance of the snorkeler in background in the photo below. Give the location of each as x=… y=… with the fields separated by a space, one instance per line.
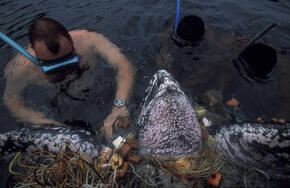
x=52 y=44
x=202 y=61
x=251 y=81
x=190 y=33
x=191 y=52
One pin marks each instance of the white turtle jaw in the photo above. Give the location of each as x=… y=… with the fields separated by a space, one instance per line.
x=165 y=80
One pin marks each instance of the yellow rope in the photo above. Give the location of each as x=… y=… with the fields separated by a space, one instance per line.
x=11 y=164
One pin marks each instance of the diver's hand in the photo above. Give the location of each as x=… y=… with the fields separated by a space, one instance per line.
x=116 y=113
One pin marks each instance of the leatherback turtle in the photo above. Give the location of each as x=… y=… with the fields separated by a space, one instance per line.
x=263 y=146
x=168 y=127
x=38 y=139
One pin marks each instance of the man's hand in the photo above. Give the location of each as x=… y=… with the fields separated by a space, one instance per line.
x=116 y=113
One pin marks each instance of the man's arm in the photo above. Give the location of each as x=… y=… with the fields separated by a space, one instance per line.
x=125 y=71
x=17 y=79
x=124 y=77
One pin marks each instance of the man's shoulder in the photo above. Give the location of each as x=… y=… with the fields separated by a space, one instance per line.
x=78 y=32
x=83 y=39
x=83 y=33
x=19 y=67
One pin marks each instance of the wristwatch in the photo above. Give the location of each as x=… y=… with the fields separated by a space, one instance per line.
x=119 y=102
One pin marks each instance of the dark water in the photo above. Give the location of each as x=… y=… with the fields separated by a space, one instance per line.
x=136 y=28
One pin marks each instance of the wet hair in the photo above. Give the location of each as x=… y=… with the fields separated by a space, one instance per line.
x=260 y=57
x=48 y=31
x=191 y=28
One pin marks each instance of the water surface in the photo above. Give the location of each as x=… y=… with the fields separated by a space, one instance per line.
x=136 y=27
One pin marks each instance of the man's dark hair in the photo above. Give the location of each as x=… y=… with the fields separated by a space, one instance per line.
x=48 y=31
x=191 y=28
x=260 y=57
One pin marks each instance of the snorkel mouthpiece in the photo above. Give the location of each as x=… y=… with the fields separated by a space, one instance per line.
x=51 y=69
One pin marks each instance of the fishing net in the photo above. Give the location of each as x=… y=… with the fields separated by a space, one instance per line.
x=70 y=168
x=196 y=167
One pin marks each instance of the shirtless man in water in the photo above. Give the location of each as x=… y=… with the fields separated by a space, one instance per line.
x=49 y=42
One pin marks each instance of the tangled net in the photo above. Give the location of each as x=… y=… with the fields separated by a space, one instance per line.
x=69 y=168
x=190 y=169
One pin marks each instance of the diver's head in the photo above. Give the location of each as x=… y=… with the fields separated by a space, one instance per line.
x=50 y=39
x=53 y=46
x=191 y=29
x=260 y=58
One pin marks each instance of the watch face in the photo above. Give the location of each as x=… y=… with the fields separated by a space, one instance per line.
x=119 y=102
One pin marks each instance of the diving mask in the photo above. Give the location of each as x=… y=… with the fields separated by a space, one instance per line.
x=53 y=66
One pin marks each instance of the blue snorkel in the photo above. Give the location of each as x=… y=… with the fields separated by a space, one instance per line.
x=177 y=15
x=19 y=48
x=46 y=69
x=52 y=68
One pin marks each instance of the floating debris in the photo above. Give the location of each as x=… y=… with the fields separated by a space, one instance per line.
x=118 y=142
x=206 y=122
x=69 y=168
x=212 y=97
x=233 y=102
x=215 y=179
